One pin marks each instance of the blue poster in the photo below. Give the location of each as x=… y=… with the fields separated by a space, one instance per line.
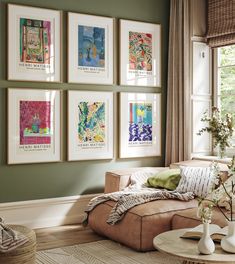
x=91 y=46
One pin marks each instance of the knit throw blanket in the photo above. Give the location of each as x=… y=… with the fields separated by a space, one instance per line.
x=127 y=199
x=9 y=238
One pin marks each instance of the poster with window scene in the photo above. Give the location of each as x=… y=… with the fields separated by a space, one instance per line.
x=34 y=44
x=140 y=124
x=91 y=46
x=35 y=41
x=91 y=125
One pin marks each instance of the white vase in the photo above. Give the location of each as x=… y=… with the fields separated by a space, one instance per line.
x=206 y=245
x=228 y=242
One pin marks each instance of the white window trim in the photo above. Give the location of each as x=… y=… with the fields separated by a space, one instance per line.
x=229 y=151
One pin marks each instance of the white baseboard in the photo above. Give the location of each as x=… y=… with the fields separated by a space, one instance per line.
x=46 y=212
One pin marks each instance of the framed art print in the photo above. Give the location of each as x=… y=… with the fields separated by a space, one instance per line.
x=140 y=125
x=33 y=126
x=140 y=53
x=90 y=49
x=34 y=44
x=90 y=125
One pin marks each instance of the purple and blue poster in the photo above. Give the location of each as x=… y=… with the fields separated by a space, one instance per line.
x=140 y=123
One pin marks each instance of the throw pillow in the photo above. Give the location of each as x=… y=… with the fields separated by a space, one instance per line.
x=198 y=180
x=167 y=179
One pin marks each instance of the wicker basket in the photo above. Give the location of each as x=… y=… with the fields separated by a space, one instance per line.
x=24 y=254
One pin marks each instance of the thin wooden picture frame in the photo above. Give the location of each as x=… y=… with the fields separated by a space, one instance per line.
x=90 y=49
x=140 y=53
x=90 y=125
x=140 y=125
x=34 y=44
x=34 y=125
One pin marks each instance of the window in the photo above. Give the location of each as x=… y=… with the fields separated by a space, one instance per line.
x=225 y=81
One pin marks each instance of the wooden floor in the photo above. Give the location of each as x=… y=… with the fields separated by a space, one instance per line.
x=62 y=236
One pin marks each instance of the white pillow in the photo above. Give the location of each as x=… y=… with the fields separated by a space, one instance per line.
x=140 y=177
x=198 y=180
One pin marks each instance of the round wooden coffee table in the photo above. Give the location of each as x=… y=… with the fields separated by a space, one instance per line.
x=186 y=249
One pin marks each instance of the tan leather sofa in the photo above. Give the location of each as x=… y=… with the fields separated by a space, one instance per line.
x=143 y=222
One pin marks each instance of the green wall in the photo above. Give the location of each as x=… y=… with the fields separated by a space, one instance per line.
x=36 y=181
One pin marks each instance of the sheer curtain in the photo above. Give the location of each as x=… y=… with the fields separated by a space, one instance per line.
x=178 y=122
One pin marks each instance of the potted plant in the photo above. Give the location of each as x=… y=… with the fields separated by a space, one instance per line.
x=220 y=128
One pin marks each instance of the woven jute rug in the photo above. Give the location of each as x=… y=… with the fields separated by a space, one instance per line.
x=101 y=252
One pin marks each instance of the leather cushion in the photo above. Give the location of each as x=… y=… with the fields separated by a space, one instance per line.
x=140 y=224
x=189 y=219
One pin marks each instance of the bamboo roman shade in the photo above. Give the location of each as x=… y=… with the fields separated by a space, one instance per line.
x=221 y=23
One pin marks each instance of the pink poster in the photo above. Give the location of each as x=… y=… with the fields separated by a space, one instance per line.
x=35 y=122
x=140 y=51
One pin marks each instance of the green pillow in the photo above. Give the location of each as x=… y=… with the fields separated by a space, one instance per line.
x=167 y=179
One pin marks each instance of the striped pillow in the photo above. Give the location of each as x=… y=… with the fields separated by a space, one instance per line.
x=198 y=180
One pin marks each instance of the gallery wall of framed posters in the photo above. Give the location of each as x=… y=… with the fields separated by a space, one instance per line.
x=34 y=44
x=34 y=115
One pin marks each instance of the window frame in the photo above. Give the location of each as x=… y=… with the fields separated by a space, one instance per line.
x=230 y=151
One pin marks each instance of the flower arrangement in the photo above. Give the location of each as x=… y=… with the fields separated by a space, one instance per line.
x=205 y=211
x=222 y=197
x=220 y=128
